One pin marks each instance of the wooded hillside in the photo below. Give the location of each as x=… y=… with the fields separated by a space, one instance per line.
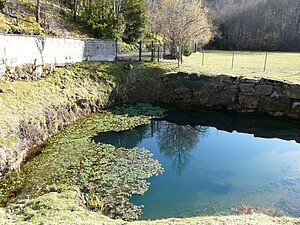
x=272 y=25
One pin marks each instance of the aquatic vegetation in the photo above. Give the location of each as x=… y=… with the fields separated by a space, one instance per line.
x=137 y=109
x=246 y=209
x=107 y=176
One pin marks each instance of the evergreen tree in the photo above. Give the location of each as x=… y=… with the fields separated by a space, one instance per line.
x=115 y=19
x=135 y=16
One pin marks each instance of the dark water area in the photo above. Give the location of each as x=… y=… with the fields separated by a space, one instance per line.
x=214 y=162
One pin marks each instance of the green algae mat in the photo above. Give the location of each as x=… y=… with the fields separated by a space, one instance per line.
x=105 y=176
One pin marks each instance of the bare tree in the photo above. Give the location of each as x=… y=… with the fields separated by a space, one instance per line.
x=182 y=22
x=177 y=142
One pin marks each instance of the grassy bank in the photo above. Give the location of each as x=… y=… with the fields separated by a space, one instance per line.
x=31 y=111
x=18 y=17
x=67 y=208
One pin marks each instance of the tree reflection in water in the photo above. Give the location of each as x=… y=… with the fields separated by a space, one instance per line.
x=127 y=139
x=177 y=141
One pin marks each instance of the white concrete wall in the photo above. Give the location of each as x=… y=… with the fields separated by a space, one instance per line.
x=97 y=50
x=16 y=50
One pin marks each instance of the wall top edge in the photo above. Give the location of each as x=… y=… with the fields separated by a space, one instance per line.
x=54 y=37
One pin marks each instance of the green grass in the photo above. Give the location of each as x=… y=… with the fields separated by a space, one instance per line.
x=66 y=208
x=282 y=66
x=31 y=98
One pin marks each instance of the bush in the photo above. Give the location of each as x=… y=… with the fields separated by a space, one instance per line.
x=187 y=51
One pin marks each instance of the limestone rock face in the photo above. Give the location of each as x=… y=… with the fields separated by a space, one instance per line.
x=235 y=93
x=249 y=101
x=263 y=89
x=246 y=88
x=277 y=104
x=293 y=91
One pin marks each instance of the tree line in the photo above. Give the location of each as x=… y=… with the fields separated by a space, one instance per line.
x=260 y=25
x=272 y=25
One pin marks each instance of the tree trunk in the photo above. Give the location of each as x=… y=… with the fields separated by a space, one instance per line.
x=75 y=10
x=38 y=11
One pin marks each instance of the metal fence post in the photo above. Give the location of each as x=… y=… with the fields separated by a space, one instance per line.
x=181 y=55
x=232 y=61
x=202 y=56
x=178 y=55
x=265 y=65
x=152 y=51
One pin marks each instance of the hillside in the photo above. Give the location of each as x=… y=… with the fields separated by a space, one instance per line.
x=18 y=17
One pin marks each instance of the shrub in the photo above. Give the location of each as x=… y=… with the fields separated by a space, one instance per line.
x=187 y=51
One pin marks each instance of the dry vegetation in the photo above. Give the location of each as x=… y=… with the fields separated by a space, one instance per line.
x=182 y=22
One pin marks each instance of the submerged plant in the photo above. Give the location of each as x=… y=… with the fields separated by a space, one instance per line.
x=138 y=109
x=246 y=209
x=107 y=176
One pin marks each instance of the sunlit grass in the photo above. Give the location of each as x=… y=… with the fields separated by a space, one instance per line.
x=283 y=66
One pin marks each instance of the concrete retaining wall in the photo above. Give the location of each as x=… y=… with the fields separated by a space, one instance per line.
x=16 y=50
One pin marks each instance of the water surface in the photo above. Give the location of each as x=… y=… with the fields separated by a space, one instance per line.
x=215 y=162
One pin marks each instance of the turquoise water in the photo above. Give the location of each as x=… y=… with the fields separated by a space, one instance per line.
x=214 y=162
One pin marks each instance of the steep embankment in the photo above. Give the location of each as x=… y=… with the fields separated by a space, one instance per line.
x=234 y=93
x=31 y=111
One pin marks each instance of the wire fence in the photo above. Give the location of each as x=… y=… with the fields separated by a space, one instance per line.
x=244 y=62
x=248 y=63
x=146 y=51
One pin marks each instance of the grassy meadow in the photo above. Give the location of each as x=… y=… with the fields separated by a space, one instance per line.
x=280 y=65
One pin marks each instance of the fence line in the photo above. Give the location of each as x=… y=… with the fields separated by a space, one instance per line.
x=210 y=58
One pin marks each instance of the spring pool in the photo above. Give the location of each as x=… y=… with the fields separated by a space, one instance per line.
x=215 y=162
